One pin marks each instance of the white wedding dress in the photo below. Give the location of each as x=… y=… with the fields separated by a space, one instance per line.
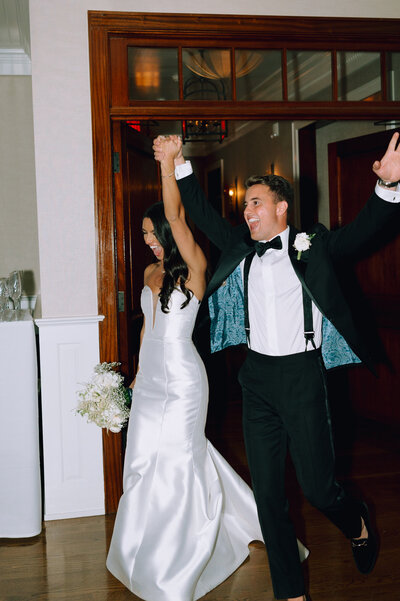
x=185 y=519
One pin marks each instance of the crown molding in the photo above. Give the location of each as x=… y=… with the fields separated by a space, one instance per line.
x=14 y=38
x=14 y=62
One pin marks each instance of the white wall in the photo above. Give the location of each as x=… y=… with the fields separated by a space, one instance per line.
x=264 y=151
x=18 y=219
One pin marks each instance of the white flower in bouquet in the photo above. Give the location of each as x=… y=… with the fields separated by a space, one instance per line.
x=107 y=379
x=105 y=400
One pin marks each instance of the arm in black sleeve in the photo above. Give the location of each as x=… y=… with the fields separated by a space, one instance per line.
x=207 y=219
x=353 y=238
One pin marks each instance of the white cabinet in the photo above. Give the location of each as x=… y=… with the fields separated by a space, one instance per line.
x=20 y=486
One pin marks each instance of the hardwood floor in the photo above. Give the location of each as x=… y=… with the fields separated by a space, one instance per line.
x=67 y=560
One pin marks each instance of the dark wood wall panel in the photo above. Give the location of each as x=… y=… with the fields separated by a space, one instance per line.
x=373 y=284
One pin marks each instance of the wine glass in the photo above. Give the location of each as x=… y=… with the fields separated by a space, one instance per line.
x=15 y=288
x=4 y=294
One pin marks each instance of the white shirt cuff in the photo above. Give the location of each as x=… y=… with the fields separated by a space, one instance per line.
x=184 y=170
x=392 y=195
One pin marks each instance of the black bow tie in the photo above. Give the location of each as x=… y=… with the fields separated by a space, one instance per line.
x=261 y=247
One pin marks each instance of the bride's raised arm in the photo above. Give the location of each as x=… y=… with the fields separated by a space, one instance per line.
x=166 y=150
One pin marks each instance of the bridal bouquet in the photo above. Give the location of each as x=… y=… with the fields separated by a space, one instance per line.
x=105 y=400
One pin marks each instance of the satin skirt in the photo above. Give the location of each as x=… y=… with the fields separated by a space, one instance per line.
x=185 y=519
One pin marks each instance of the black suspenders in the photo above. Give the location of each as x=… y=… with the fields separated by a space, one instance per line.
x=246 y=269
x=308 y=319
x=307 y=307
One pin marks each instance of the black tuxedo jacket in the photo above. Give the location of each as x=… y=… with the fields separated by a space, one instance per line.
x=315 y=269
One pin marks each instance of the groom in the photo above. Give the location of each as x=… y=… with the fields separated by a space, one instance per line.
x=277 y=289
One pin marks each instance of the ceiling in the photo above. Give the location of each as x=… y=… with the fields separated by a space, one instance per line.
x=15 y=44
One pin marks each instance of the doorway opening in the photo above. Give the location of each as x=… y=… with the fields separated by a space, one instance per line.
x=298 y=151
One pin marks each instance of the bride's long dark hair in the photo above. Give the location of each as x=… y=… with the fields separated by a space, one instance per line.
x=176 y=270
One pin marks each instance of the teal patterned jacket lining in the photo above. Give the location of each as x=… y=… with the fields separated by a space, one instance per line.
x=226 y=308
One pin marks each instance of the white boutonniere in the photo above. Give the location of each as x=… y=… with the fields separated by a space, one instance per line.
x=302 y=242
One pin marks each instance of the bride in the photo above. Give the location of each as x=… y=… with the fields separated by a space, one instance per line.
x=185 y=518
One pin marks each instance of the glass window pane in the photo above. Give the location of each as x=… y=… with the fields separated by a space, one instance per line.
x=206 y=74
x=393 y=75
x=359 y=75
x=258 y=74
x=153 y=73
x=309 y=75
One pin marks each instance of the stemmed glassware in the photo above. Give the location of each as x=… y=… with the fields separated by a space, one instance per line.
x=4 y=294
x=15 y=288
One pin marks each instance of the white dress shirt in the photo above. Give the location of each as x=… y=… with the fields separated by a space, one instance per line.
x=276 y=304
x=275 y=295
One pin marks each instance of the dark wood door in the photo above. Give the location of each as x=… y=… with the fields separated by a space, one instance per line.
x=136 y=187
x=373 y=286
x=308 y=188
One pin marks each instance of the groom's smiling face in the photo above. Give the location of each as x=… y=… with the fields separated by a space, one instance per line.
x=265 y=217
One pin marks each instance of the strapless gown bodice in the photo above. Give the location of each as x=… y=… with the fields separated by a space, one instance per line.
x=176 y=325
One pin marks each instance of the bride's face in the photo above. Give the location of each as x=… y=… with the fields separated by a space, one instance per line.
x=150 y=238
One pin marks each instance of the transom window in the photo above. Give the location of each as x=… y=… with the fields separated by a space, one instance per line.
x=162 y=74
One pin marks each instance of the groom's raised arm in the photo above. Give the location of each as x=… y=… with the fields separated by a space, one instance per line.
x=198 y=207
x=196 y=204
x=382 y=207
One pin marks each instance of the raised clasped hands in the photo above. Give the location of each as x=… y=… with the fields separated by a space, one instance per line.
x=388 y=168
x=168 y=148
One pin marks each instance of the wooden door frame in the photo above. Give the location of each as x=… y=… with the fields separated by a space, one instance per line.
x=311 y=32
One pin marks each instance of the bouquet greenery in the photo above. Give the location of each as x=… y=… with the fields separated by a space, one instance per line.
x=105 y=400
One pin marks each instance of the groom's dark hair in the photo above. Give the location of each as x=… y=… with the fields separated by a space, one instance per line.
x=280 y=186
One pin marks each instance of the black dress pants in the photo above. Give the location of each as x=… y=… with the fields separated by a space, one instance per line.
x=285 y=406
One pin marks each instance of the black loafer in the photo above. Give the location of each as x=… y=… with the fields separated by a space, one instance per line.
x=365 y=550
